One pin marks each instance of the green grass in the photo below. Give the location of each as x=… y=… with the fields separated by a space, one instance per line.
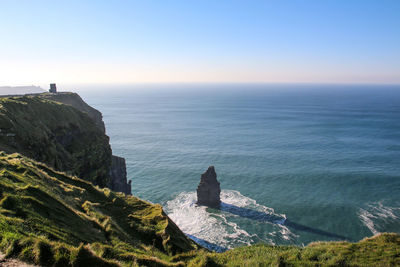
x=46 y=216
x=381 y=250
x=53 y=219
x=59 y=135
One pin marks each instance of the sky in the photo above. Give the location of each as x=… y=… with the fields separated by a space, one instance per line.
x=150 y=41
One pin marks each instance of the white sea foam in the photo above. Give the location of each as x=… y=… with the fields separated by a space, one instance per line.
x=367 y=218
x=220 y=227
x=375 y=215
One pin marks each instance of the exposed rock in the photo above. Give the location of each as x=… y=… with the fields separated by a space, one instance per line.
x=59 y=135
x=64 y=132
x=118 y=180
x=209 y=189
x=118 y=176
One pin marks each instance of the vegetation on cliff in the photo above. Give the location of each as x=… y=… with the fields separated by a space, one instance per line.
x=50 y=218
x=53 y=219
x=59 y=135
x=73 y=99
x=380 y=250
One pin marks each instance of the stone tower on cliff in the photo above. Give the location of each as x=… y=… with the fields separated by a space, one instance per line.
x=53 y=88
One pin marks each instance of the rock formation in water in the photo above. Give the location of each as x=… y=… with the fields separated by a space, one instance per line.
x=209 y=189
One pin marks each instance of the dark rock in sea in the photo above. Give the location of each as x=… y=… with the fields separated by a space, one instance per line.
x=209 y=189
x=119 y=181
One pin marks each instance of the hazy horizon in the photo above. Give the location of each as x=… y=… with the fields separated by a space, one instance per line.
x=193 y=86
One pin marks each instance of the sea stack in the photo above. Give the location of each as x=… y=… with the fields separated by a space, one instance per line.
x=208 y=190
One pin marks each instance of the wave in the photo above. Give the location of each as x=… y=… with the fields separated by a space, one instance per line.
x=378 y=217
x=231 y=225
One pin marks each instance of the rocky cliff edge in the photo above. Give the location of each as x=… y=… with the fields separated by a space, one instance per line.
x=64 y=132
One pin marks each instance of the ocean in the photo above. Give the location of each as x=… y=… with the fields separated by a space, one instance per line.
x=296 y=163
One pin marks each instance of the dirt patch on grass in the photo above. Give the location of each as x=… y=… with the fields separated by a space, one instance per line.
x=13 y=262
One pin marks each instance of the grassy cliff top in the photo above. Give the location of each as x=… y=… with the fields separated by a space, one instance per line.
x=380 y=250
x=53 y=219
x=74 y=100
x=57 y=134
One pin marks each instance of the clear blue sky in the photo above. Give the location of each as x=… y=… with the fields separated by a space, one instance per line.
x=113 y=41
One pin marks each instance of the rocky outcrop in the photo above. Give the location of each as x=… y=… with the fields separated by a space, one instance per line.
x=56 y=134
x=64 y=132
x=209 y=189
x=119 y=181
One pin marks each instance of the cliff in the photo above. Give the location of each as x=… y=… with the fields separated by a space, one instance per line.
x=64 y=132
x=77 y=102
x=56 y=134
x=118 y=176
x=50 y=218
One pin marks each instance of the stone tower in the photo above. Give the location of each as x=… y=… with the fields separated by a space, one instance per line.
x=53 y=88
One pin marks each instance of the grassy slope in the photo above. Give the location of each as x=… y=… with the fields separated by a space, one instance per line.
x=77 y=102
x=381 y=250
x=47 y=217
x=56 y=134
x=50 y=218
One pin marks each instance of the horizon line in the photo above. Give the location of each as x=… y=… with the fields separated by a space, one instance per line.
x=204 y=83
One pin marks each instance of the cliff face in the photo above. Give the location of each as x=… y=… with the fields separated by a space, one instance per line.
x=58 y=135
x=64 y=132
x=118 y=176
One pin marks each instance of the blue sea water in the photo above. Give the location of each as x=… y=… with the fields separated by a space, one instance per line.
x=296 y=163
